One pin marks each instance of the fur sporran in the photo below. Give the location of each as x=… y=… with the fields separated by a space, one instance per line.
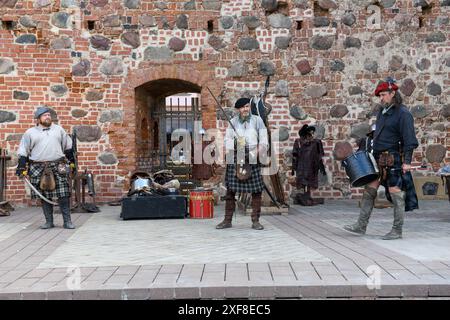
x=47 y=182
x=386 y=160
x=243 y=171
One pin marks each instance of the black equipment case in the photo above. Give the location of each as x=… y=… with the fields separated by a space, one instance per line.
x=154 y=207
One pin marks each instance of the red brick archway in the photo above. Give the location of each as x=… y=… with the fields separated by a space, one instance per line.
x=200 y=74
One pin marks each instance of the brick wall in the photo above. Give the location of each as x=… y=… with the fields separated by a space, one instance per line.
x=94 y=62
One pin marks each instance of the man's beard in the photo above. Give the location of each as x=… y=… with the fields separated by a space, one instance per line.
x=46 y=123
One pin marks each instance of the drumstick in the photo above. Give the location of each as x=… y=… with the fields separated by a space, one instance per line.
x=412 y=168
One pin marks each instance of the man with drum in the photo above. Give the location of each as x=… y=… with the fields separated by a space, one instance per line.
x=245 y=139
x=393 y=146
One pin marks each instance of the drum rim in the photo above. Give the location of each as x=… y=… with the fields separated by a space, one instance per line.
x=372 y=174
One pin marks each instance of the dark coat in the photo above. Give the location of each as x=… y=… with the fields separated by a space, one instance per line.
x=306 y=161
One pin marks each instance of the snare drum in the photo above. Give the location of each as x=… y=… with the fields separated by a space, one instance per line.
x=360 y=168
x=201 y=204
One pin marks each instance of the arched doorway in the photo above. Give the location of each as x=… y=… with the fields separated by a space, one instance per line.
x=164 y=106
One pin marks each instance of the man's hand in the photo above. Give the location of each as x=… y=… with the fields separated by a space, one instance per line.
x=406 y=167
x=21 y=170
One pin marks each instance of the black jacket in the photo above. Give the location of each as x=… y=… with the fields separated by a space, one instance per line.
x=395 y=132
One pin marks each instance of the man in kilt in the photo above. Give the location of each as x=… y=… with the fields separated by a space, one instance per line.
x=250 y=136
x=394 y=141
x=47 y=145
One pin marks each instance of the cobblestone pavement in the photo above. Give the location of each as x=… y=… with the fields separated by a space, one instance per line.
x=305 y=254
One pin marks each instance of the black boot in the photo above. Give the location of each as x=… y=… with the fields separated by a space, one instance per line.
x=64 y=205
x=48 y=214
x=398 y=198
x=367 y=203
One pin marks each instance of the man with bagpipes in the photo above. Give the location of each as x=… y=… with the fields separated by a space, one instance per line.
x=245 y=139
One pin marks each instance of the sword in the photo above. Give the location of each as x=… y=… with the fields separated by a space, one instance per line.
x=270 y=195
x=37 y=192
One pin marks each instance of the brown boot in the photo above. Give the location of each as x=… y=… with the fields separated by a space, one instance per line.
x=229 y=210
x=256 y=211
x=223 y=225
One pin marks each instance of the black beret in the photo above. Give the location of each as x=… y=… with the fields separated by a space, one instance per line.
x=241 y=102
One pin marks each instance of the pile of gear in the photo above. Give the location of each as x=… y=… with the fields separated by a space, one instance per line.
x=162 y=182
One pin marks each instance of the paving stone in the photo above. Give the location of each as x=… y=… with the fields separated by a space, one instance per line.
x=136 y=294
x=236 y=292
x=316 y=291
x=359 y=291
x=187 y=293
x=85 y=295
x=263 y=292
x=111 y=294
x=439 y=290
x=59 y=295
x=162 y=293
x=389 y=291
x=207 y=292
x=338 y=291
x=10 y=296
x=33 y=296
x=118 y=279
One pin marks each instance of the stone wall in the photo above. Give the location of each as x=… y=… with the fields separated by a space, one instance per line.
x=92 y=61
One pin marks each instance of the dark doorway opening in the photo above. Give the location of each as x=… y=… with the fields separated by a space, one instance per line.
x=166 y=109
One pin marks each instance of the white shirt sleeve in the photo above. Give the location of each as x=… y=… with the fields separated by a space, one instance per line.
x=25 y=145
x=66 y=142
x=229 y=138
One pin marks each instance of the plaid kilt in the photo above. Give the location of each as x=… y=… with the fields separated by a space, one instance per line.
x=61 y=180
x=254 y=184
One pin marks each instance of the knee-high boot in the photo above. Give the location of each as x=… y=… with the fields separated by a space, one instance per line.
x=398 y=198
x=64 y=205
x=230 y=206
x=48 y=214
x=367 y=203
x=256 y=211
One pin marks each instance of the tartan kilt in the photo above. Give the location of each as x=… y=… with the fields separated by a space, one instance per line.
x=61 y=181
x=254 y=184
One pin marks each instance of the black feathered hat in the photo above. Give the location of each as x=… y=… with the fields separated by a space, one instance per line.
x=305 y=130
